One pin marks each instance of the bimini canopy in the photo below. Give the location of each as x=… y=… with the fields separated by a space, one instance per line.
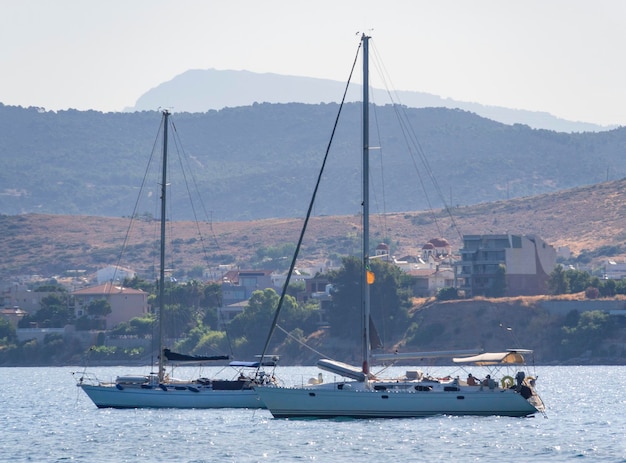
x=510 y=357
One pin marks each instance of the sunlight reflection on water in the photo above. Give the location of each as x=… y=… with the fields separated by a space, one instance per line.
x=44 y=417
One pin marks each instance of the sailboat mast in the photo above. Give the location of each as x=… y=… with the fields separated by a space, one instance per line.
x=166 y=115
x=366 y=264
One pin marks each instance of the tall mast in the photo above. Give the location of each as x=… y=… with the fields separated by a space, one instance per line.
x=166 y=115
x=364 y=283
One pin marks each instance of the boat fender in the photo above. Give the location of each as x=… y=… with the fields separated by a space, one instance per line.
x=163 y=386
x=507 y=382
x=193 y=389
x=120 y=387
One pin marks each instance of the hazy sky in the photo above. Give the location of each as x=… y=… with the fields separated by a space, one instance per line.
x=565 y=57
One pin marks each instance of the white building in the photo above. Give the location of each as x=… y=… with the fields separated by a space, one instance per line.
x=113 y=273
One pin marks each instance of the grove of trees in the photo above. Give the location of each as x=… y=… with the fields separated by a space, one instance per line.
x=571 y=281
x=191 y=322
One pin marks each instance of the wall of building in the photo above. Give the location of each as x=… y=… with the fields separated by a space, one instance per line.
x=125 y=307
x=528 y=266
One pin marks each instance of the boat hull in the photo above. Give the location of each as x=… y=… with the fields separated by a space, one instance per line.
x=109 y=396
x=364 y=403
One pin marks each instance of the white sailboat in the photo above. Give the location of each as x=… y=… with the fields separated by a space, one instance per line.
x=363 y=395
x=160 y=390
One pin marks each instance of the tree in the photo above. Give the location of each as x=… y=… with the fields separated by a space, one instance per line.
x=95 y=318
x=608 y=288
x=8 y=335
x=254 y=322
x=296 y=287
x=141 y=327
x=345 y=307
x=389 y=297
x=212 y=295
x=577 y=280
x=178 y=319
x=202 y=340
x=138 y=283
x=50 y=288
x=592 y=292
x=99 y=308
x=557 y=282
x=54 y=313
x=590 y=330
x=447 y=294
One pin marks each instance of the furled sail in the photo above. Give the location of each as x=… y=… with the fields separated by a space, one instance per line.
x=176 y=357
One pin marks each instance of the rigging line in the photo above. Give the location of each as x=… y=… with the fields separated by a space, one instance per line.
x=184 y=169
x=407 y=138
x=179 y=146
x=197 y=189
x=308 y=215
x=222 y=322
x=303 y=344
x=383 y=216
x=408 y=128
x=136 y=206
x=431 y=175
x=403 y=123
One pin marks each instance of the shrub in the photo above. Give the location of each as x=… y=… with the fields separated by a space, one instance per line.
x=592 y=293
x=447 y=294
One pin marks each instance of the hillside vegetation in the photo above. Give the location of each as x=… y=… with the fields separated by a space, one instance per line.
x=261 y=161
x=492 y=325
x=589 y=220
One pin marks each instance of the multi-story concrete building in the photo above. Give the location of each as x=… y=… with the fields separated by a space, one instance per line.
x=238 y=285
x=527 y=262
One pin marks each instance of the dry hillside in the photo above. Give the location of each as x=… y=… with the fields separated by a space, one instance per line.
x=585 y=218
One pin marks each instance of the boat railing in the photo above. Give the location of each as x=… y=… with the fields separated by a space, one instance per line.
x=82 y=377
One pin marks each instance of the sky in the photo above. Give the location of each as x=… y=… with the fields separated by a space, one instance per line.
x=564 y=57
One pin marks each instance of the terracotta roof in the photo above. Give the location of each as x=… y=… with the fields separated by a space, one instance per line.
x=13 y=311
x=440 y=242
x=422 y=272
x=105 y=289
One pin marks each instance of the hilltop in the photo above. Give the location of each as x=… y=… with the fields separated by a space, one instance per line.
x=201 y=90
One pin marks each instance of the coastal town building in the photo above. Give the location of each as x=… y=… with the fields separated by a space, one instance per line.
x=428 y=281
x=126 y=303
x=520 y=264
x=114 y=273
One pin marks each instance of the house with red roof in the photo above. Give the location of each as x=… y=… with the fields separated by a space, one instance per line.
x=126 y=303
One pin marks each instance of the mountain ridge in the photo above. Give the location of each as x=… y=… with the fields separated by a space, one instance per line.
x=201 y=90
x=261 y=161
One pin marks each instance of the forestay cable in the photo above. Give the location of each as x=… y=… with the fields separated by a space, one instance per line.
x=308 y=215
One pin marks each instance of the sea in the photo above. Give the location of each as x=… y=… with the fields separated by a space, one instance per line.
x=44 y=417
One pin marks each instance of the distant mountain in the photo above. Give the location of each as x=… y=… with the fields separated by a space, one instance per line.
x=261 y=161
x=203 y=90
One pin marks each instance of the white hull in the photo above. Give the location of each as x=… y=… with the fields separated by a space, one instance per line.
x=109 y=396
x=356 y=401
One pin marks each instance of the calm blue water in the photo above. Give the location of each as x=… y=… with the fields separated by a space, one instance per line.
x=44 y=417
